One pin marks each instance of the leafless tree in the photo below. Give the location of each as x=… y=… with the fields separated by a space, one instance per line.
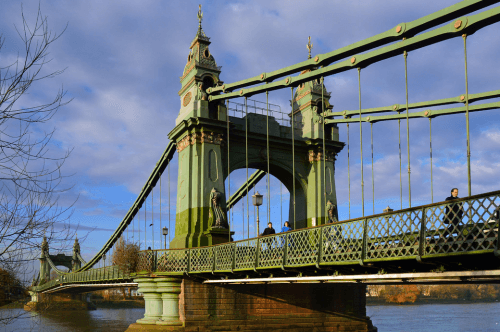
x=30 y=173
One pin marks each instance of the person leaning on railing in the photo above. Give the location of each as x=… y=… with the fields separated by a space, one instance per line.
x=453 y=214
x=269 y=230
x=286 y=228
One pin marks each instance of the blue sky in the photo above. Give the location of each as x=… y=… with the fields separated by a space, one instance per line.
x=123 y=61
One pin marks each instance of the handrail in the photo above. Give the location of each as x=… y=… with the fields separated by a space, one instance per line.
x=354 y=241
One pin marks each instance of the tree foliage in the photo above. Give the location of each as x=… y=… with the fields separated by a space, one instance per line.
x=126 y=255
x=401 y=294
x=30 y=173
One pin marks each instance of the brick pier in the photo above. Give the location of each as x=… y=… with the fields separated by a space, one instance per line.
x=266 y=307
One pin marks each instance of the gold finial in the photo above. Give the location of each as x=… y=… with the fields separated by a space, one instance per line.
x=309 y=47
x=200 y=16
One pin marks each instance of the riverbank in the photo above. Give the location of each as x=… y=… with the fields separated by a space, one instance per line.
x=377 y=301
x=13 y=305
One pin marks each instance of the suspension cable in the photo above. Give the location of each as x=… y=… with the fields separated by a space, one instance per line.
x=246 y=163
x=228 y=171
x=324 y=147
x=361 y=145
x=348 y=171
x=169 y=229
x=373 y=179
x=293 y=162
x=139 y=225
x=464 y=36
x=400 y=166
x=430 y=152
x=152 y=219
x=405 y=54
x=268 y=167
x=161 y=230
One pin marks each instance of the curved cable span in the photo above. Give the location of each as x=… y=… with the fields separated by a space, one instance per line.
x=53 y=266
x=160 y=166
x=80 y=258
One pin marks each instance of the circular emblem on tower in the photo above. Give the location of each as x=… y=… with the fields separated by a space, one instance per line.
x=186 y=99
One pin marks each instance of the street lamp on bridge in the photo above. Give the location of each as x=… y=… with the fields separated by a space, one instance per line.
x=165 y=233
x=257 y=201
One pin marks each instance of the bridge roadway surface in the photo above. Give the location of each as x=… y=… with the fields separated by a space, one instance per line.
x=410 y=245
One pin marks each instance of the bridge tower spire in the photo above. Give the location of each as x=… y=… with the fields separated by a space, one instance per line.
x=310 y=102
x=44 y=264
x=76 y=264
x=201 y=217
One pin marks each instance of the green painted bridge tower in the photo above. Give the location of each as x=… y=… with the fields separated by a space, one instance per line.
x=255 y=141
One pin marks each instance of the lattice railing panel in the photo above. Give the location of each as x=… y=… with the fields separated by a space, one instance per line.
x=224 y=256
x=462 y=227
x=245 y=254
x=175 y=260
x=303 y=247
x=146 y=261
x=394 y=235
x=270 y=251
x=342 y=242
x=202 y=260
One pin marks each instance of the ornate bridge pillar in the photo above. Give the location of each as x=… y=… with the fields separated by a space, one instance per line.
x=152 y=300
x=169 y=288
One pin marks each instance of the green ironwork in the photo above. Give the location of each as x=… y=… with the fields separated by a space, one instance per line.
x=405 y=54
x=467 y=115
x=422 y=114
x=426 y=232
x=430 y=153
x=439 y=102
x=416 y=233
x=408 y=29
x=361 y=145
x=469 y=25
x=409 y=234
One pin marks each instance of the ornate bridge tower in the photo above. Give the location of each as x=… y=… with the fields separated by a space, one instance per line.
x=201 y=138
x=201 y=201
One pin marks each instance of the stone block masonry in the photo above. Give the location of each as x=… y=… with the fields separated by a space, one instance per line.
x=276 y=307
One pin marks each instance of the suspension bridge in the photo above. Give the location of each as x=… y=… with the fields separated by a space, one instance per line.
x=215 y=134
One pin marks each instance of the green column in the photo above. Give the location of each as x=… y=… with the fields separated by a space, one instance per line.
x=169 y=288
x=316 y=204
x=152 y=300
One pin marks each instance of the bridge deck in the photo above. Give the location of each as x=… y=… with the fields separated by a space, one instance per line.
x=416 y=240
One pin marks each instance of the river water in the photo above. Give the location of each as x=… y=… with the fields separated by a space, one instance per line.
x=414 y=318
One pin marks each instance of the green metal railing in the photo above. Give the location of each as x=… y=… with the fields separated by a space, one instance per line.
x=414 y=233
x=99 y=275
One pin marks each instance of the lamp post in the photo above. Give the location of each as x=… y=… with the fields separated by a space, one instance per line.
x=165 y=233
x=257 y=201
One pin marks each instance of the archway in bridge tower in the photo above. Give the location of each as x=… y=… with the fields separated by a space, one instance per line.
x=258 y=137
x=241 y=211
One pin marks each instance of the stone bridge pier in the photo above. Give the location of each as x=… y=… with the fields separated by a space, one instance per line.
x=184 y=304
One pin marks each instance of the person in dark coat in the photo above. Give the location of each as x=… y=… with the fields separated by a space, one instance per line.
x=453 y=214
x=269 y=230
